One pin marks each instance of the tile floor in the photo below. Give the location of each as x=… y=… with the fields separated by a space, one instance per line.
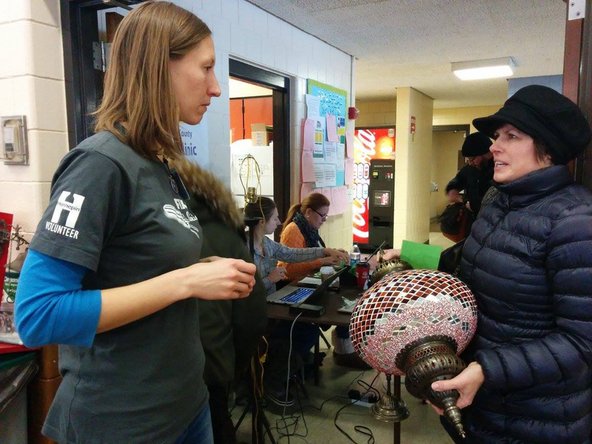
x=327 y=416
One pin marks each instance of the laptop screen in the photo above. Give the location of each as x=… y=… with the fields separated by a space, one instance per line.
x=315 y=296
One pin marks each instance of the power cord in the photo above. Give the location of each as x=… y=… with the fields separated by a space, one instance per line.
x=282 y=424
x=347 y=403
x=359 y=428
x=369 y=394
x=287 y=425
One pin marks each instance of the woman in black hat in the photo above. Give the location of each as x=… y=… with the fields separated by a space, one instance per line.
x=528 y=261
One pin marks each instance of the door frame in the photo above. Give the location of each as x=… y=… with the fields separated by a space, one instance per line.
x=280 y=86
x=84 y=83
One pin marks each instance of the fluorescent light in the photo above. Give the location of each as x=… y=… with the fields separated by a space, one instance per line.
x=484 y=69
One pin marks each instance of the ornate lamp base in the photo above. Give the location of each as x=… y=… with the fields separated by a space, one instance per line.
x=390 y=407
x=430 y=359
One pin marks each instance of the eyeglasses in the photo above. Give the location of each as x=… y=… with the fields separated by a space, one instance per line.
x=323 y=216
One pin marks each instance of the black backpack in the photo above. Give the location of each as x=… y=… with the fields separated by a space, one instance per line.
x=452 y=217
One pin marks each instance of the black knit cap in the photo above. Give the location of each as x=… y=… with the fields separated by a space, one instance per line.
x=546 y=115
x=476 y=144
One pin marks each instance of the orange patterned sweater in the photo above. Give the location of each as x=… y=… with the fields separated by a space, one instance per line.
x=292 y=237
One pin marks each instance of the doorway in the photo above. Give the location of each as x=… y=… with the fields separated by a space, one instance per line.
x=447 y=159
x=87 y=28
x=259 y=114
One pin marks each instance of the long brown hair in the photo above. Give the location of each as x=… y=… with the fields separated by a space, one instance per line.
x=263 y=207
x=139 y=104
x=314 y=201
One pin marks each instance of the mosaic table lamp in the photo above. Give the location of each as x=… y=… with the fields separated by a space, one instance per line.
x=386 y=267
x=414 y=323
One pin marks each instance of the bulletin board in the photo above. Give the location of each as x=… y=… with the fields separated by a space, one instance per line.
x=324 y=157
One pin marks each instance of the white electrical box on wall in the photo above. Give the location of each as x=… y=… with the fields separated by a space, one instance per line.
x=15 y=149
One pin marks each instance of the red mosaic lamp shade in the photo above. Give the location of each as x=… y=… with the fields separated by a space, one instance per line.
x=415 y=323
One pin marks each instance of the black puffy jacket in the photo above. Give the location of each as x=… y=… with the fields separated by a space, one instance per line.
x=528 y=261
x=475 y=181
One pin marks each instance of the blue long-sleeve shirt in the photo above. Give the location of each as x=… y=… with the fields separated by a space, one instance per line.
x=274 y=251
x=52 y=307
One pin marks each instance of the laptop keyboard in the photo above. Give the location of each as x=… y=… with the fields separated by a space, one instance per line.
x=297 y=295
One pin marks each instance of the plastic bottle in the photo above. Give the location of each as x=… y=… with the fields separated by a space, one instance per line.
x=354 y=255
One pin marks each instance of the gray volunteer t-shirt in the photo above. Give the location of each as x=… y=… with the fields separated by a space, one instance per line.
x=115 y=213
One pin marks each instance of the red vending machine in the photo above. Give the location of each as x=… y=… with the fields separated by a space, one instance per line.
x=369 y=144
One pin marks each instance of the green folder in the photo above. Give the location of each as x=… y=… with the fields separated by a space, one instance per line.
x=420 y=255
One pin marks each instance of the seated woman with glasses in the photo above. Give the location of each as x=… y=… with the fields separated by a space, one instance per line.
x=301 y=229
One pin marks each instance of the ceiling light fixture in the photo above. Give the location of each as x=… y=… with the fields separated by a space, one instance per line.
x=484 y=69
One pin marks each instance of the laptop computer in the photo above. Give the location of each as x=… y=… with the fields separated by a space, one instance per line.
x=293 y=295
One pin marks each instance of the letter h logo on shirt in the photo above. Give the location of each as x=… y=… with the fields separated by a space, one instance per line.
x=72 y=208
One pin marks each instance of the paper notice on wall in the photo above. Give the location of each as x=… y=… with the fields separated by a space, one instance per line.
x=325 y=175
x=349 y=138
x=331 y=128
x=330 y=152
x=349 y=171
x=307 y=167
x=319 y=138
x=339 y=200
x=313 y=106
x=306 y=189
x=308 y=135
x=325 y=191
x=340 y=153
x=340 y=164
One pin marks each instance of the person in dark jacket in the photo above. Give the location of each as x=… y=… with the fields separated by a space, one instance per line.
x=475 y=177
x=230 y=331
x=528 y=261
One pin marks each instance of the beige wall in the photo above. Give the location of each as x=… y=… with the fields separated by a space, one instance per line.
x=32 y=84
x=376 y=112
x=412 y=178
x=444 y=165
x=384 y=112
x=462 y=116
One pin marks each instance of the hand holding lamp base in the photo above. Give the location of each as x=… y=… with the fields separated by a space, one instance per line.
x=431 y=359
x=414 y=323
